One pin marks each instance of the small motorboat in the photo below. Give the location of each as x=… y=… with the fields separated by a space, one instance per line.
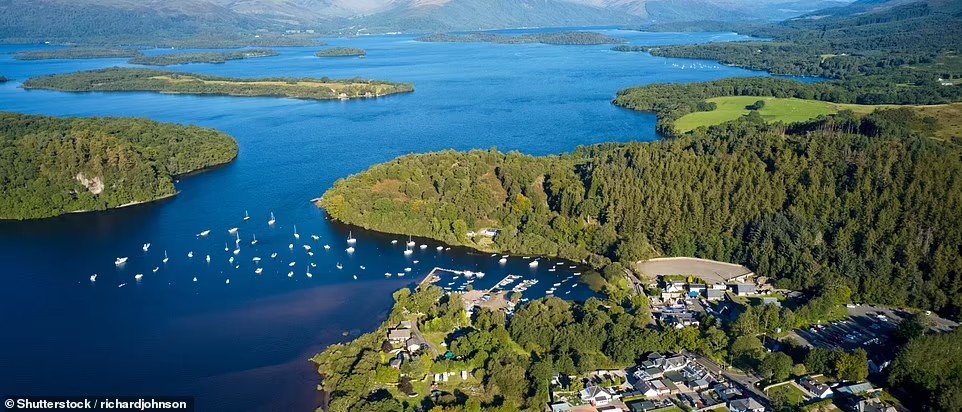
x=208 y=258
x=290 y=274
x=138 y=277
x=156 y=269
x=307 y=248
x=313 y=265
x=93 y=277
x=258 y=271
x=387 y=274
x=190 y=255
x=327 y=247
x=350 y=249
x=256 y=259
x=355 y=277
x=424 y=246
x=122 y=285
x=272 y=221
x=165 y=257
x=274 y=255
x=292 y=264
x=362 y=267
x=315 y=237
x=146 y=246
x=236 y=251
x=290 y=246
x=232 y=230
x=339 y=266
x=440 y=248
x=503 y=260
x=534 y=264
x=204 y=233
x=296 y=235
x=195 y=278
x=254 y=242
x=227 y=282
x=231 y=260
x=394 y=241
x=350 y=238
x=120 y=261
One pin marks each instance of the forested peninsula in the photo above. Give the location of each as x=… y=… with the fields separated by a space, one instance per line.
x=870 y=202
x=560 y=38
x=341 y=52
x=78 y=53
x=51 y=166
x=204 y=57
x=129 y=79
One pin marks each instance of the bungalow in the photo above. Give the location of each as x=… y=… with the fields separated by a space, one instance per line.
x=489 y=232
x=698 y=384
x=675 y=287
x=771 y=301
x=714 y=294
x=647 y=389
x=697 y=288
x=560 y=407
x=396 y=363
x=661 y=387
x=642 y=406
x=596 y=396
x=872 y=405
x=744 y=289
x=745 y=405
x=413 y=345
x=398 y=336
x=725 y=392
x=815 y=388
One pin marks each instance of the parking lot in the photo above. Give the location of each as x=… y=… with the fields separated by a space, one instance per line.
x=868 y=327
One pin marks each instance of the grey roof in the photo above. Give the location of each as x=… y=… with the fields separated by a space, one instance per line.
x=399 y=334
x=560 y=407
x=744 y=288
x=745 y=404
x=857 y=388
x=715 y=293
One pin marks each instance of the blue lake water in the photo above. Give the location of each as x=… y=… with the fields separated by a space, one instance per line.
x=245 y=345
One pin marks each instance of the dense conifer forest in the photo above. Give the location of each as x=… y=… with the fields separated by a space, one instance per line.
x=51 y=166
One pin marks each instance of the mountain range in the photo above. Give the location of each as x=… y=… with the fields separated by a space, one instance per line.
x=62 y=20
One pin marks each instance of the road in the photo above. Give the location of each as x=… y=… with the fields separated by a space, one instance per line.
x=416 y=333
x=742 y=381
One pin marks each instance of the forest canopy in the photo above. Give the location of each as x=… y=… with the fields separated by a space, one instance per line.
x=203 y=57
x=51 y=166
x=871 y=203
x=131 y=79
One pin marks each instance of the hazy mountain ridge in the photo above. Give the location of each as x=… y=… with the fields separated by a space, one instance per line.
x=76 y=20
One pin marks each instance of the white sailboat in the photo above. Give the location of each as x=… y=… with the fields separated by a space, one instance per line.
x=232 y=230
x=195 y=278
x=307 y=248
x=309 y=274
x=254 y=242
x=146 y=246
x=424 y=247
x=274 y=255
x=439 y=248
x=292 y=264
x=165 y=257
x=208 y=258
x=256 y=259
x=339 y=266
x=258 y=271
x=534 y=264
x=408 y=251
x=387 y=274
x=503 y=260
x=296 y=235
x=350 y=238
x=231 y=260
x=156 y=269
x=236 y=251
x=204 y=233
x=122 y=285
x=246 y=216
x=394 y=241
x=315 y=237
x=350 y=249
x=138 y=277
x=290 y=246
x=227 y=282
x=226 y=249
x=190 y=255
x=327 y=247
x=355 y=277
x=290 y=274
x=410 y=242
x=237 y=241
x=93 y=278
x=120 y=261
x=272 y=221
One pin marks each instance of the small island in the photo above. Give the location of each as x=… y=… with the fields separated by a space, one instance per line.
x=128 y=79
x=628 y=48
x=52 y=166
x=560 y=38
x=341 y=52
x=207 y=57
x=78 y=53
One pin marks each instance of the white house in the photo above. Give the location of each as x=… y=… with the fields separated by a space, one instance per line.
x=596 y=396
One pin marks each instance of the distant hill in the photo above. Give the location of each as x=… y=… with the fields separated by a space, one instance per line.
x=168 y=22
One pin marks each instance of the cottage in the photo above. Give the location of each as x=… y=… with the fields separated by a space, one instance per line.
x=675 y=363
x=675 y=287
x=641 y=406
x=398 y=336
x=646 y=389
x=489 y=232
x=413 y=345
x=596 y=396
x=872 y=405
x=560 y=407
x=815 y=388
x=745 y=405
x=714 y=294
x=697 y=288
x=744 y=289
x=396 y=363
x=725 y=392
x=771 y=301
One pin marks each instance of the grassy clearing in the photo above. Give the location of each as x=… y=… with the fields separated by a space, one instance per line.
x=775 y=110
x=949 y=117
x=794 y=395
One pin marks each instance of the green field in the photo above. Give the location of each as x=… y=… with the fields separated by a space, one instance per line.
x=794 y=395
x=776 y=109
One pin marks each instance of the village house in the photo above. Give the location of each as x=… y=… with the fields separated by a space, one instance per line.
x=815 y=388
x=398 y=336
x=871 y=405
x=714 y=294
x=744 y=289
x=745 y=405
x=596 y=396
